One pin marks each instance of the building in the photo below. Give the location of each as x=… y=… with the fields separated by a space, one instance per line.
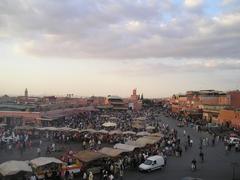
x=26 y=93
x=19 y=118
x=115 y=102
x=235 y=99
x=134 y=102
x=212 y=102
x=230 y=118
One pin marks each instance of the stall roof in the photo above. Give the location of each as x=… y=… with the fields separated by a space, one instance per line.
x=109 y=124
x=156 y=135
x=115 y=132
x=88 y=130
x=140 y=118
x=125 y=147
x=24 y=127
x=129 y=132
x=48 y=128
x=103 y=131
x=150 y=127
x=143 y=133
x=87 y=156
x=111 y=151
x=41 y=161
x=13 y=167
x=147 y=140
x=139 y=144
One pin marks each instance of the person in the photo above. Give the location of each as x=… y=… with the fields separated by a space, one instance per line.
x=71 y=176
x=194 y=164
x=236 y=147
x=121 y=174
x=66 y=175
x=38 y=151
x=201 y=156
x=111 y=177
x=90 y=177
x=33 y=177
x=84 y=175
x=191 y=143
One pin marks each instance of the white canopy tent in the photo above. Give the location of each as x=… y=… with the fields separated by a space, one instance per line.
x=115 y=132
x=103 y=131
x=129 y=132
x=143 y=133
x=41 y=161
x=13 y=167
x=109 y=124
x=125 y=147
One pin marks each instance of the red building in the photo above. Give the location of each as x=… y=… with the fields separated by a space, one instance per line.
x=235 y=99
x=229 y=117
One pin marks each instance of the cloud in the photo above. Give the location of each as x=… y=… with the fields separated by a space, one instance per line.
x=108 y=29
x=193 y=3
x=168 y=66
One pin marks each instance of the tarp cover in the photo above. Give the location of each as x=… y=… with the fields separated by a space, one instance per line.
x=111 y=151
x=41 y=161
x=125 y=147
x=109 y=124
x=87 y=156
x=13 y=167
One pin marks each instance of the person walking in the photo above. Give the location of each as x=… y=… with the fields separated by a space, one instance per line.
x=90 y=177
x=201 y=155
x=39 y=151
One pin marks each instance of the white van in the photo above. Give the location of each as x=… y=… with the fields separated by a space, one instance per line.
x=152 y=163
x=234 y=140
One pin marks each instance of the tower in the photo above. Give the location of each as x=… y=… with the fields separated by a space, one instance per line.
x=134 y=92
x=26 y=93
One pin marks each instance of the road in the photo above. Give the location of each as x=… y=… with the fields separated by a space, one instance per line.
x=216 y=167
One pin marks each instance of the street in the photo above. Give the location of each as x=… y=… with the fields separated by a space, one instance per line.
x=217 y=165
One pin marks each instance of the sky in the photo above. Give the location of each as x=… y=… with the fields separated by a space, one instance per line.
x=103 y=47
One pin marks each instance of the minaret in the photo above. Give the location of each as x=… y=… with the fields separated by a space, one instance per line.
x=26 y=93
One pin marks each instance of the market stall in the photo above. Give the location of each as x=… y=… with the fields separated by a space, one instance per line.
x=125 y=147
x=115 y=132
x=90 y=160
x=109 y=124
x=12 y=169
x=46 y=165
x=111 y=152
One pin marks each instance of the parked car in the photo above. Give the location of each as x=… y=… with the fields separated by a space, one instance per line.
x=152 y=163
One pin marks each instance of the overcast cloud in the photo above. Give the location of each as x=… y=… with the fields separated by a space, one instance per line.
x=121 y=29
x=150 y=35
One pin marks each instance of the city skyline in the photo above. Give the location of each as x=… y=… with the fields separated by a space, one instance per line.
x=110 y=47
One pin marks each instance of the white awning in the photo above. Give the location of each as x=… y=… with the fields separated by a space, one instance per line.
x=13 y=167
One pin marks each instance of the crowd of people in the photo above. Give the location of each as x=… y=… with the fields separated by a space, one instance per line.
x=169 y=145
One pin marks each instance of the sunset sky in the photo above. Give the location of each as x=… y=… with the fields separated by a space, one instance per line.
x=102 y=47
